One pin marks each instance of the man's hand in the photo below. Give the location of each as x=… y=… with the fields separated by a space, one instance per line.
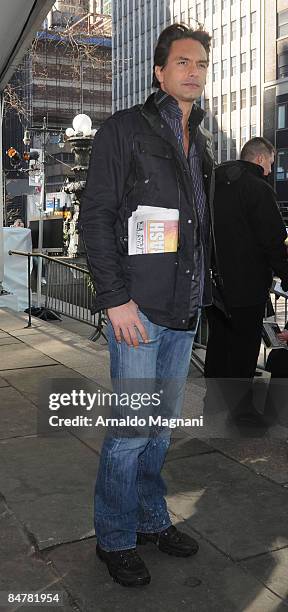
x=125 y=319
x=283 y=335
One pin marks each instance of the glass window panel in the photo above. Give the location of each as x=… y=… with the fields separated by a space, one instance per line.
x=243 y=62
x=233 y=30
x=253 y=22
x=282 y=166
x=281 y=117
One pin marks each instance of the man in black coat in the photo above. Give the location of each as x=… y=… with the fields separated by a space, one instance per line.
x=250 y=246
x=156 y=155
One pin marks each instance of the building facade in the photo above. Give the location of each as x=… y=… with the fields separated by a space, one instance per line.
x=275 y=116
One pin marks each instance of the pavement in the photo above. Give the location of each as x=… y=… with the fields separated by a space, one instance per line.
x=231 y=495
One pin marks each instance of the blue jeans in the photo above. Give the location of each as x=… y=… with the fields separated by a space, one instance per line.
x=129 y=492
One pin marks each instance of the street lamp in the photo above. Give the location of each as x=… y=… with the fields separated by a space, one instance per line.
x=39 y=172
x=81 y=138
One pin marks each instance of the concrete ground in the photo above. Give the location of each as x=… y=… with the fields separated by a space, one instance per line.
x=231 y=495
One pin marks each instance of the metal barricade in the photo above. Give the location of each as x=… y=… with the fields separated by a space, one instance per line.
x=66 y=289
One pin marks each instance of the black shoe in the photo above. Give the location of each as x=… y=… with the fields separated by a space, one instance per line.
x=171 y=541
x=125 y=566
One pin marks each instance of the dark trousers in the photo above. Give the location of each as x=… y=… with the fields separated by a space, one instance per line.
x=277 y=363
x=231 y=360
x=234 y=344
x=277 y=397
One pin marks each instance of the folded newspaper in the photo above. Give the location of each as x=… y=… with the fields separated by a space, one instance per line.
x=153 y=229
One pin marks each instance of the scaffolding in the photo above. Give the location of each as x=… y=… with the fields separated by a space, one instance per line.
x=71 y=64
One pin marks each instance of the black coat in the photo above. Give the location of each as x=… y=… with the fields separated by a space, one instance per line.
x=136 y=160
x=249 y=233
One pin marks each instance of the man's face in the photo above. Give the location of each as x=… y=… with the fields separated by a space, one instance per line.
x=184 y=75
x=266 y=162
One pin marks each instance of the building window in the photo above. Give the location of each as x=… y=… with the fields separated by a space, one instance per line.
x=253 y=130
x=282 y=122
x=253 y=59
x=233 y=66
x=243 y=136
x=215 y=106
x=215 y=38
x=233 y=30
x=253 y=22
x=283 y=65
x=233 y=144
x=214 y=7
x=243 y=98
x=243 y=62
x=206 y=8
x=224 y=69
x=224 y=5
x=224 y=146
x=243 y=29
x=215 y=72
x=224 y=104
x=224 y=35
x=282 y=165
x=233 y=101
x=253 y=96
x=282 y=24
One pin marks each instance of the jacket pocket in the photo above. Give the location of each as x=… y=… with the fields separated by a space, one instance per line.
x=151 y=279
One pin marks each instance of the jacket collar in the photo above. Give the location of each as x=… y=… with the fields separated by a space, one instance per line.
x=252 y=168
x=150 y=110
x=162 y=101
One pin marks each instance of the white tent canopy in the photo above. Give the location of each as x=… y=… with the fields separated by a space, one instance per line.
x=19 y=21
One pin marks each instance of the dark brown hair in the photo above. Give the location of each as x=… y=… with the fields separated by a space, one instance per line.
x=177 y=31
x=256 y=146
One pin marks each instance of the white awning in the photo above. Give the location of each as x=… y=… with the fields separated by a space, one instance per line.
x=19 y=21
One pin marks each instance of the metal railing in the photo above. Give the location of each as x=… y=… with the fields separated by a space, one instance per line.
x=66 y=289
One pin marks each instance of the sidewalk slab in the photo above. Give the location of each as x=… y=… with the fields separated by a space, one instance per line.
x=239 y=512
x=266 y=457
x=22 y=571
x=10 y=321
x=20 y=355
x=68 y=349
x=186 y=447
x=208 y=581
x=49 y=484
x=271 y=569
x=3 y=382
x=8 y=340
x=17 y=415
x=29 y=381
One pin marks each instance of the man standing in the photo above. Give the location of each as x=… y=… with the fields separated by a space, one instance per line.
x=154 y=155
x=250 y=236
